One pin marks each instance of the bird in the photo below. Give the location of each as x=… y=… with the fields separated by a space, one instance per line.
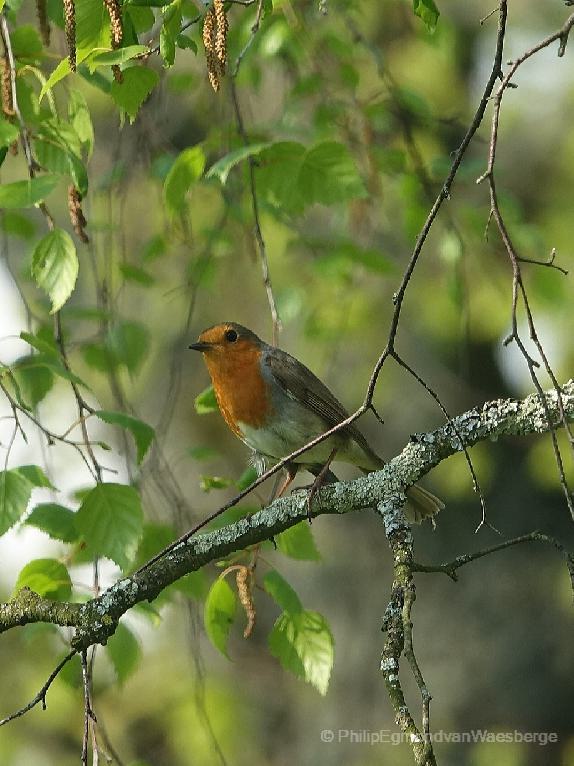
x=275 y=405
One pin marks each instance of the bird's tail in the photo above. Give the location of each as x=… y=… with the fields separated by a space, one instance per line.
x=421 y=504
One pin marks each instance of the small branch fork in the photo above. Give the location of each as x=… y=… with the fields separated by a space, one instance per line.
x=518 y=287
x=397 y=621
x=41 y=696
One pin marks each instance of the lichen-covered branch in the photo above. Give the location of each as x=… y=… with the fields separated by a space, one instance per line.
x=96 y=620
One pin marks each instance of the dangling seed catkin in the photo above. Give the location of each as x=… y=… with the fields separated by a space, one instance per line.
x=43 y=21
x=209 y=24
x=222 y=27
x=215 y=28
x=70 y=26
x=7 y=103
x=77 y=218
x=244 y=582
x=115 y=22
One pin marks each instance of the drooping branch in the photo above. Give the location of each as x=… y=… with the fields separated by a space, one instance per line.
x=96 y=620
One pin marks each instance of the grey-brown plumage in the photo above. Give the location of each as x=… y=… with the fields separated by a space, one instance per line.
x=276 y=405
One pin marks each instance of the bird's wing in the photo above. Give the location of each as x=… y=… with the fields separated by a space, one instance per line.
x=300 y=383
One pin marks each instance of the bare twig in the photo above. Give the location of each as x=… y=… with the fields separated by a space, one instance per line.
x=41 y=696
x=276 y=321
x=518 y=287
x=451 y=568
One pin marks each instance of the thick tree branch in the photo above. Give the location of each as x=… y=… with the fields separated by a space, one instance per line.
x=96 y=620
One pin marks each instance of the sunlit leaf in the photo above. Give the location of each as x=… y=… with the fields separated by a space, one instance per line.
x=35 y=475
x=137 y=83
x=428 y=12
x=205 y=402
x=142 y=432
x=27 y=193
x=303 y=643
x=281 y=592
x=110 y=520
x=185 y=171
x=219 y=613
x=55 y=520
x=223 y=166
x=15 y=491
x=55 y=266
x=124 y=651
x=46 y=577
x=298 y=542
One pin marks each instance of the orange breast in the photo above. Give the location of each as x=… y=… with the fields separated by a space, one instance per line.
x=239 y=388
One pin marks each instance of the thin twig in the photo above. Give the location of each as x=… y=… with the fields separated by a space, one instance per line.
x=276 y=320
x=518 y=287
x=41 y=696
x=451 y=567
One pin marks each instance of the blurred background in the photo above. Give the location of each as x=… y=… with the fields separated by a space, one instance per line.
x=496 y=647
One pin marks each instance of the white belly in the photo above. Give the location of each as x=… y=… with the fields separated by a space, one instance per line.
x=275 y=443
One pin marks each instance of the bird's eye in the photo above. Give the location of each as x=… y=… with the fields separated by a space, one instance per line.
x=231 y=336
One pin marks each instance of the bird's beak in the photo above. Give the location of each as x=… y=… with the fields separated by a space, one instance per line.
x=200 y=346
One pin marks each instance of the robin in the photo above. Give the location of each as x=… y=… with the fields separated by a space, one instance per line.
x=276 y=405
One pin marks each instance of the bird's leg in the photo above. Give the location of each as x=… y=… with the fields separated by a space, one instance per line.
x=323 y=476
x=290 y=473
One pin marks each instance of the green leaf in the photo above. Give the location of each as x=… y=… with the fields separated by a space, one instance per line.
x=27 y=193
x=26 y=42
x=124 y=652
x=58 y=74
x=110 y=520
x=115 y=56
x=350 y=253
x=169 y=32
x=141 y=18
x=92 y=25
x=17 y=225
x=35 y=475
x=138 y=83
x=136 y=274
x=428 y=12
x=295 y=177
x=59 y=159
x=223 y=166
x=202 y=453
x=15 y=491
x=298 y=543
x=207 y=483
x=129 y=343
x=281 y=592
x=8 y=132
x=185 y=171
x=303 y=644
x=55 y=520
x=142 y=432
x=247 y=478
x=55 y=266
x=184 y=42
x=34 y=382
x=80 y=118
x=329 y=174
x=46 y=577
x=219 y=613
x=205 y=402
